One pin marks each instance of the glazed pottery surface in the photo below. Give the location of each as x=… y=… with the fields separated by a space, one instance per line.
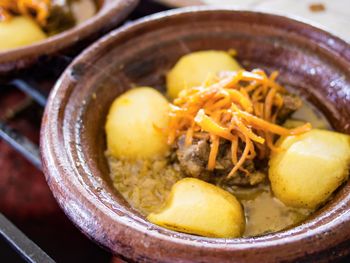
x=311 y=61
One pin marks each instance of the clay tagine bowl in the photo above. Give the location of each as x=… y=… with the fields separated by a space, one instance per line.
x=109 y=15
x=181 y=3
x=314 y=62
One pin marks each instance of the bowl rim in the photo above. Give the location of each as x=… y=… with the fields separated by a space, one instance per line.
x=109 y=11
x=181 y=3
x=304 y=232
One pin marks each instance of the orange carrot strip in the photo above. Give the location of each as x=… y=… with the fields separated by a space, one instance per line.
x=238 y=97
x=242 y=159
x=234 y=148
x=248 y=132
x=274 y=128
x=189 y=136
x=209 y=125
x=214 y=147
x=268 y=104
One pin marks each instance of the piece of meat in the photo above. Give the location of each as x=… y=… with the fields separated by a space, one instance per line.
x=242 y=179
x=224 y=166
x=224 y=158
x=193 y=159
x=291 y=103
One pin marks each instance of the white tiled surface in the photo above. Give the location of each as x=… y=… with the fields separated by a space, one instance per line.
x=336 y=17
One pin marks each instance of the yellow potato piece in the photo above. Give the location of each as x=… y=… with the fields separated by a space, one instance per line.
x=135 y=122
x=200 y=208
x=19 y=31
x=310 y=167
x=291 y=124
x=195 y=68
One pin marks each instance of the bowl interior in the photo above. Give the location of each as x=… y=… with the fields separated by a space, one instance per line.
x=309 y=60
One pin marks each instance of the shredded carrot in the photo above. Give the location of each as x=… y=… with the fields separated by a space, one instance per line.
x=36 y=9
x=247 y=131
x=242 y=159
x=237 y=96
x=189 y=136
x=268 y=104
x=240 y=107
x=209 y=125
x=271 y=127
x=213 y=152
x=234 y=148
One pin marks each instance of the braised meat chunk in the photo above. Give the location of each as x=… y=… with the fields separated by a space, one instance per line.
x=291 y=103
x=193 y=161
x=227 y=129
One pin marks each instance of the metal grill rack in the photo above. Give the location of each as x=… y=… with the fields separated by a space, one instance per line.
x=19 y=241
x=15 y=139
x=28 y=110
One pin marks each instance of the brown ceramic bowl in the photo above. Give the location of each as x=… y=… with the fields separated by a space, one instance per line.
x=180 y=3
x=73 y=140
x=110 y=13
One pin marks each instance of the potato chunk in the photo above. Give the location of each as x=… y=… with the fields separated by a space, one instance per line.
x=19 y=31
x=310 y=167
x=135 y=122
x=195 y=68
x=200 y=208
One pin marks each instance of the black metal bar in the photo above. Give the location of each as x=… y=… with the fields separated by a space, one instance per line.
x=31 y=91
x=19 y=241
x=28 y=149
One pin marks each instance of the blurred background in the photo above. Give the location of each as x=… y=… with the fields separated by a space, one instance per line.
x=24 y=196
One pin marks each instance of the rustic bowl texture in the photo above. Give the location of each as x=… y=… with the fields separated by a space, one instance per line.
x=310 y=60
x=180 y=3
x=110 y=13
